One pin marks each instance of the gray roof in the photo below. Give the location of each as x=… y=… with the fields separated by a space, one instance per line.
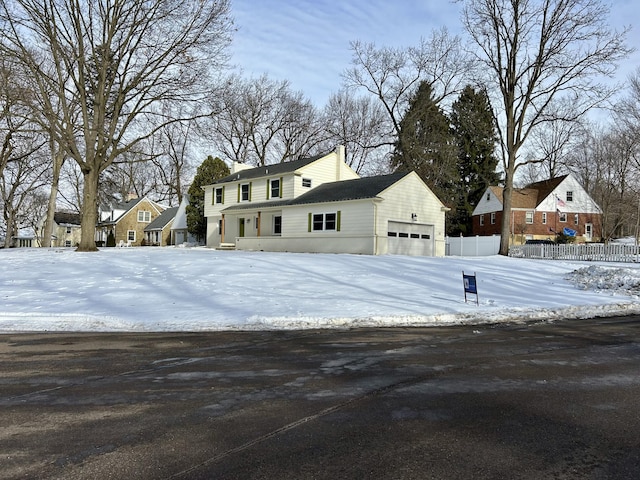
x=126 y=206
x=269 y=170
x=162 y=220
x=356 y=189
x=67 y=218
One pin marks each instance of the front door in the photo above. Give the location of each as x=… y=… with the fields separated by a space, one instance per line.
x=241 y=227
x=588 y=232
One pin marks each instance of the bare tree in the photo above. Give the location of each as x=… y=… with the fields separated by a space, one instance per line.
x=19 y=186
x=358 y=123
x=537 y=52
x=108 y=65
x=603 y=162
x=392 y=75
x=549 y=149
x=172 y=160
x=260 y=121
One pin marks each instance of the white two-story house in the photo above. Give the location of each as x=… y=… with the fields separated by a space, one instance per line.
x=320 y=204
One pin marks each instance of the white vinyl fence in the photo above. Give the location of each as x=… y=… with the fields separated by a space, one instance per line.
x=595 y=252
x=472 y=246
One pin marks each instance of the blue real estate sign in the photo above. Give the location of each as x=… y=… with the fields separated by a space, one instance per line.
x=470 y=285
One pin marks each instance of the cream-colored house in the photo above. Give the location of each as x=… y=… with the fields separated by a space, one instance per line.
x=320 y=204
x=66 y=230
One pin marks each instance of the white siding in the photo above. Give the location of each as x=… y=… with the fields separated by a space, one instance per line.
x=410 y=196
x=493 y=204
x=582 y=201
x=324 y=170
x=356 y=218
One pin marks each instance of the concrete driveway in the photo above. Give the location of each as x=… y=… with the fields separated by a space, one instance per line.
x=534 y=401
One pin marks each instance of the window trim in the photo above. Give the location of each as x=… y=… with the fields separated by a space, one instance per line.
x=481 y=220
x=544 y=218
x=129 y=232
x=323 y=219
x=307 y=181
x=493 y=218
x=569 y=195
x=529 y=217
x=562 y=217
x=241 y=192
x=216 y=200
x=271 y=187
x=278 y=224
x=145 y=214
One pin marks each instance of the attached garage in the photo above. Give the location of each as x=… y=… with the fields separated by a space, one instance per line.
x=410 y=239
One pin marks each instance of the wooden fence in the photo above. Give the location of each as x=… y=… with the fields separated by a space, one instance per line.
x=594 y=252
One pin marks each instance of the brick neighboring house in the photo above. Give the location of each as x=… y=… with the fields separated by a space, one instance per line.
x=127 y=221
x=540 y=210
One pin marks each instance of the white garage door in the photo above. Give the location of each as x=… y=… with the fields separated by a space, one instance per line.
x=410 y=239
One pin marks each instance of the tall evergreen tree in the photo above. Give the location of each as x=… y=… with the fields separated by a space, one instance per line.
x=475 y=135
x=210 y=170
x=426 y=145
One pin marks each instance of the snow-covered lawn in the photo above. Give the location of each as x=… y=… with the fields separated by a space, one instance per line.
x=196 y=289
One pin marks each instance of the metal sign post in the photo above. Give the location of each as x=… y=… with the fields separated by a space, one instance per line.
x=470 y=286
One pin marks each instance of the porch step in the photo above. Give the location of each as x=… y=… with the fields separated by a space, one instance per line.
x=227 y=246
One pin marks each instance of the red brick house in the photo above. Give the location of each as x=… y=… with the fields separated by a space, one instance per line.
x=540 y=210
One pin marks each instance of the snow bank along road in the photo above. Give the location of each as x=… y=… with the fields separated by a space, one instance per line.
x=548 y=400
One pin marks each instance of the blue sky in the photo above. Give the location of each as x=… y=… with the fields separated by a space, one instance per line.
x=307 y=41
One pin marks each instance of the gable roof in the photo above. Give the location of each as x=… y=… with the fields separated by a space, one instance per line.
x=162 y=220
x=66 y=218
x=531 y=195
x=340 y=191
x=275 y=169
x=355 y=189
x=127 y=206
x=545 y=187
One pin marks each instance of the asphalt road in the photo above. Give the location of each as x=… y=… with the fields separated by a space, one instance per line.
x=538 y=401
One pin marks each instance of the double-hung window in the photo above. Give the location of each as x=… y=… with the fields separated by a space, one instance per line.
x=244 y=192
x=218 y=195
x=320 y=222
x=529 y=217
x=274 y=188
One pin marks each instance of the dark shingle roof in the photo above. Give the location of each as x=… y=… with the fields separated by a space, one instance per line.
x=545 y=187
x=356 y=189
x=65 y=218
x=275 y=169
x=162 y=220
x=532 y=195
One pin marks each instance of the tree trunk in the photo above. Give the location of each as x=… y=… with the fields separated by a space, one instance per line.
x=505 y=226
x=58 y=160
x=89 y=211
x=11 y=227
